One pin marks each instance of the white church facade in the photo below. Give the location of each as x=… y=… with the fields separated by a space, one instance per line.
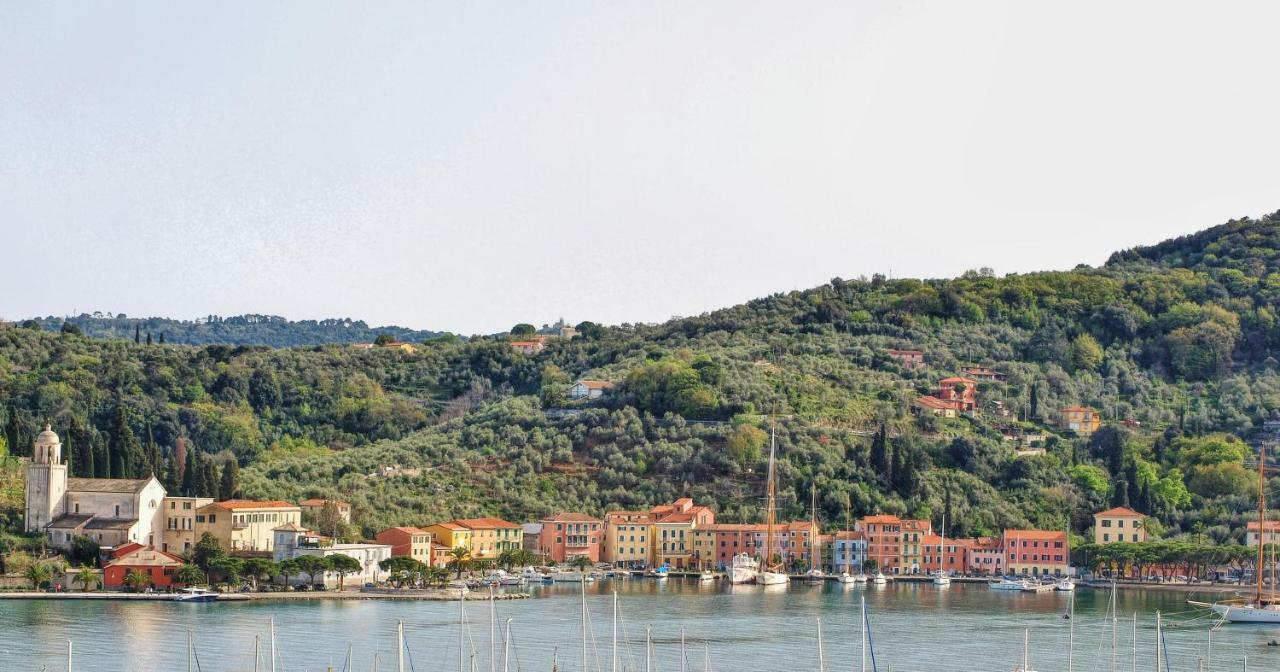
x=110 y=511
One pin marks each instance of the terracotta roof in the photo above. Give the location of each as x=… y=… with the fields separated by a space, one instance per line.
x=145 y=556
x=321 y=502
x=406 y=530
x=1034 y=535
x=935 y=403
x=916 y=525
x=1272 y=525
x=1119 y=512
x=106 y=484
x=595 y=384
x=485 y=523
x=684 y=517
x=451 y=526
x=571 y=518
x=1076 y=409
x=232 y=504
x=957 y=379
x=850 y=535
x=881 y=518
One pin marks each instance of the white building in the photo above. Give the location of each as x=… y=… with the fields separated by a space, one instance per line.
x=589 y=389
x=110 y=511
x=292 y=541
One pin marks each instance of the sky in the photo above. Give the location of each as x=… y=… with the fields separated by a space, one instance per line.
x=465 y=166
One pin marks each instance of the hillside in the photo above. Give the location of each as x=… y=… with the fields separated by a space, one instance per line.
x=1175 y=339
x=269 y=330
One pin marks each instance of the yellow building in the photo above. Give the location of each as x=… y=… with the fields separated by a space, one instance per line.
x=245 y=525
x=1119 y=524
x=486 y=538
x=911 y=544
x=1079 y=419
x=179 y=514
x=671 y=538
x=626 y=538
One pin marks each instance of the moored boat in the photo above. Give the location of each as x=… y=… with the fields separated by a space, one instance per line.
x=195 y=595
x=743 y=569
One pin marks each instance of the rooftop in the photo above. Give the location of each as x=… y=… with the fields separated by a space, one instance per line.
x=571 y=518
x=1119 y=512
x=321 y=502
x=106 y=484
x=485 y=523
x=233 y=504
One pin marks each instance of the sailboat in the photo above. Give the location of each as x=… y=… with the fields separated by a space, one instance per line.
x=1026 y=651
x=770 y=574
x=814 y=575
x=1265 y=607
x=940 y=577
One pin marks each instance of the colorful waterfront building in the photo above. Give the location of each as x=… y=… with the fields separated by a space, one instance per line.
x=848 y=551
x=949 y=555
x=986 y=556
x=180 y=522
x=158 y=566
x=883 y=541
x=1036 y=552
x=1119 y=524
x=671 y=536
x=912 y=544
x=245 y=525
x=626 y=538
x=791 y=541
x=566 y=536
x=486 y=538
x=407 y=541
x=451 y=535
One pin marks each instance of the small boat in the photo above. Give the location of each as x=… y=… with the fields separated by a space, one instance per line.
x=879 y=579
x=940 y=578
x=1006 y=583
x=1033 y=587
x=658 y=572
x=530 y=574
x=707 y=575
x=195 y=595
x=1064 y=585
x=847 y=578
x=772 y=578
x=815 y=575
x=743 y=569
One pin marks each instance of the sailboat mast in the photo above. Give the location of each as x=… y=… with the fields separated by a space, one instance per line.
x=648 y=650
x=506 y=646
x=493 y=632
x=257 y=642
x=822 y=662
x=68 y=655
x=584 y=624
x=272 y=625
x=770 y=499
x=1026 y=641
x=863 y=609
x=1157 y=641
x=1262 y=516
x=613 y=666
x=462 y=630
x=1071 y=634
x=813 y=527
x=399 y=646
x=681 y=648
x=1135 y=641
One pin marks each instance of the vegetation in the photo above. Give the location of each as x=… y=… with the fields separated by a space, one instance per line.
x=1173 y=343
x=269 y=330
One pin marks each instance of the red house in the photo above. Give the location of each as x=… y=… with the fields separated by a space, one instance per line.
x=157 y=565
x=566 y=536
x=962 y=391
x=951 y=557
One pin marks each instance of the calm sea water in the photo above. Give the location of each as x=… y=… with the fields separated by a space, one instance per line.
x=914 y=627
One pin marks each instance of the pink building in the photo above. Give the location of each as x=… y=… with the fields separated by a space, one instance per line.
x=951 y=557
x=566 y=536
x=986 y=556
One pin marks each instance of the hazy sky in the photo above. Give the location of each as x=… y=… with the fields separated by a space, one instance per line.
x=470 y=165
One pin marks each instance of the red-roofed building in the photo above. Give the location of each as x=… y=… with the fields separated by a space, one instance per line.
x=1270 y=532
x=910 y=359
x=589 y=389
x=985 y=556
x=243 y=525
x=791 y=541
x=1079 y=419
x=566 y=536
x=407 y=541
x=951 y=557
x=626 y=538
x=672 y=533
x=962 y=391
x=936 y=406
x=487 y=538
x=1036 y=552
x=159 y=566
x=529 y=347
x=1119 y=524
x=884 y=541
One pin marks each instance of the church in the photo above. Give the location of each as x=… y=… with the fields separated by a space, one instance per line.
x=110 y=511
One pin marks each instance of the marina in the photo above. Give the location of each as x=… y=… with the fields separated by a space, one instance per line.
x=916 y=626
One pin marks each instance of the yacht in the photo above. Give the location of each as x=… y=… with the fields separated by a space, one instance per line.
x=770 y=574
x=743 y=569
x=195 y=595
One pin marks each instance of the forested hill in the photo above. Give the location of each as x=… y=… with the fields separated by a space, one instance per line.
x=270 y=330
x=1174 y=344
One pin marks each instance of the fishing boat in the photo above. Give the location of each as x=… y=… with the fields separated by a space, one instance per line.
x=1264 y=607
x=195 y=595
x=940 y=577
x=771 y=573
x=660 y=572
x=743 y=569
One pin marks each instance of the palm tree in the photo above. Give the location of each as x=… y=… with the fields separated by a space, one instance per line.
x=38 y=574
x=188 y=575
x=580 y=563
x=460 y=559
x=86 y=577
x=137 y=580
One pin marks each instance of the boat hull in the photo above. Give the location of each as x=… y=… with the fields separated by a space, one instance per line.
x=772 y=578
x=1235 y=613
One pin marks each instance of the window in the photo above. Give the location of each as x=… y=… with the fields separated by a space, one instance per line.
x=1106 y=522
x=1106 y=537
x=1119 y=523
x=1135 y=537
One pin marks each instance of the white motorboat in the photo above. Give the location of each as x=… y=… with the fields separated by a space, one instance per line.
x=772 y=578
x=879 y=579
x=1065 y=585
x=940 y=578
x=815 y=575
x=195 y=595
x=847 y=578
x=530 y=574
x=707 y=575
x=743 y=569
x=1005 y=583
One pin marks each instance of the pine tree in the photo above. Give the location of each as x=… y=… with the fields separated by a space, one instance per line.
x=162 y=338
x=230 y=485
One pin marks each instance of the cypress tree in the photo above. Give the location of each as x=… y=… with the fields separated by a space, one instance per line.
x=101 y=457
x=190 y=475
x=1035 y=401
x=230 y=485
x=162 y=338
x=137 y=333
x=881 y=460
x=209 y=482
x=148 y=338
x=153 y=453
x=125 y=447
x=117 y=466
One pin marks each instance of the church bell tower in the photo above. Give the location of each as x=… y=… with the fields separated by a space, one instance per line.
x=46 y=481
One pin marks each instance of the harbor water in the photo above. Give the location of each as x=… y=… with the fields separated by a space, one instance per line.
x=736 y=628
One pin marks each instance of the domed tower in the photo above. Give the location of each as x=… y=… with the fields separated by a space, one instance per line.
x=46 y=481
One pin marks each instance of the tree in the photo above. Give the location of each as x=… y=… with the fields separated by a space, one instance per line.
x=523 y=329
x=257 y=568
x=38 y=574
x=384 y=339
x=329 y=520
x=230 y=569
x=137 y=334
x=746 y=444
x=137 y=580
x=207 y=551
x=1086 y=353
x=189 y=575
x=84 y=551
x=126 y=450
x=580 y=562
x=402 y=569
x=311 y=565
x=86 y=577
x=342 y=565
x=459 y=559
x=208 y=478
x=230 y=486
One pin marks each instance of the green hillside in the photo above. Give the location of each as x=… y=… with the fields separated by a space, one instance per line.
x=270 y=330
x=1177 y=338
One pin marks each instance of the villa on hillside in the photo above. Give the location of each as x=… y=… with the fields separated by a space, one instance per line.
x=589 y=389
x=910 y=359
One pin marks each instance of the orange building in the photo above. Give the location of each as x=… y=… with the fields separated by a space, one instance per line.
x=961 y=391
x=884 y=541
x=566 y=536
x=1036 y=552
x=408 y=541
x=951 y=557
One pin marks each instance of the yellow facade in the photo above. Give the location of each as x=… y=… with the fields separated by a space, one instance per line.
x=450 y=535
x=486 y=538
x=1119 y=524
x=627 y=537
x=179 y=515
x=245 y=525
